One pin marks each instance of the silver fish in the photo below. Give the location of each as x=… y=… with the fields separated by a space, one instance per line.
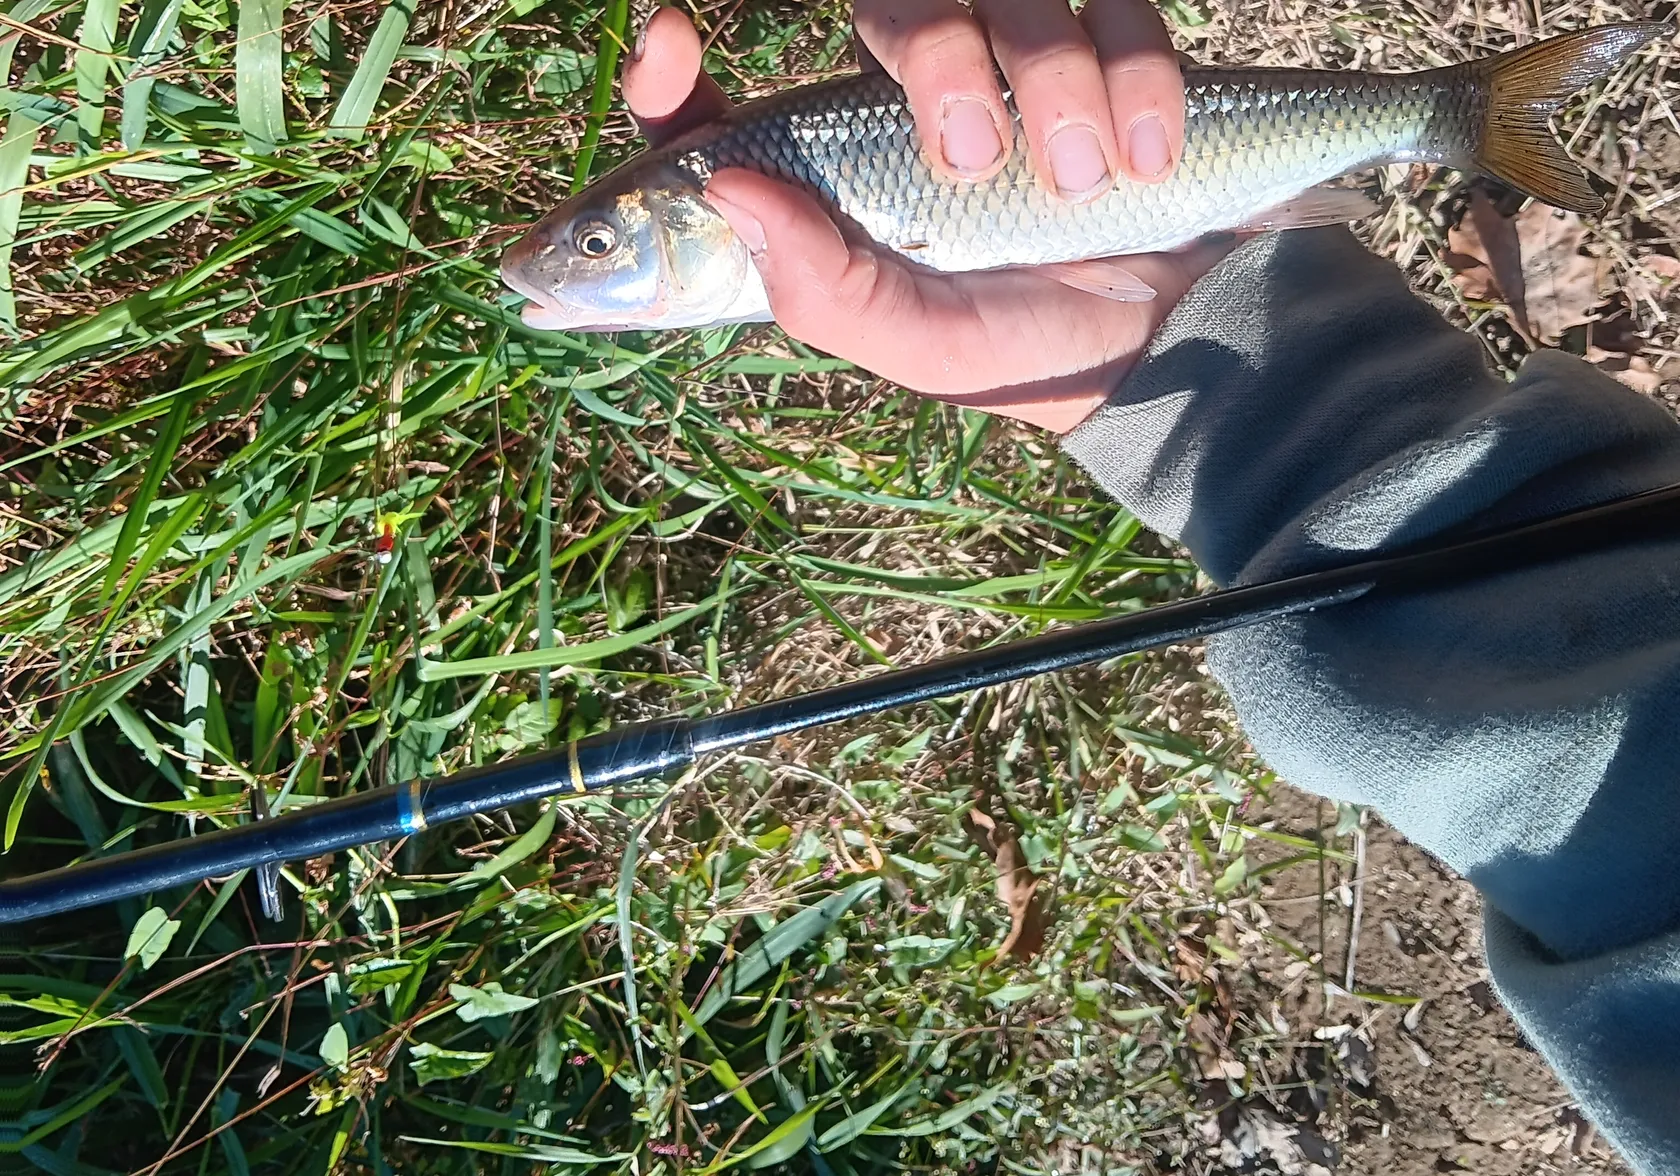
x=641 y=249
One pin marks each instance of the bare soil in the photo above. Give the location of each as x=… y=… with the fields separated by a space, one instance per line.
x=1416 y=1069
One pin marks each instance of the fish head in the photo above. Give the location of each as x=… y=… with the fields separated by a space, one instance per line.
x=639 y=250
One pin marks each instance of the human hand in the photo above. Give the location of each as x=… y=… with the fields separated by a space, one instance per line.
x=1099 y=94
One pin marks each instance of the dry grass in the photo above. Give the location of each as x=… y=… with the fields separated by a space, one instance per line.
x=1114 y=1047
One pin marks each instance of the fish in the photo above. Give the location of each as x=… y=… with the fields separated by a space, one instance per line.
x=641 y=249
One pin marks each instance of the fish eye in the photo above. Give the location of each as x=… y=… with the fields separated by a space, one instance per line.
x=595 y=239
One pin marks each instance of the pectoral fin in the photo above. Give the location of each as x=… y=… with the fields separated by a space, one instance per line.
x=1106 y=277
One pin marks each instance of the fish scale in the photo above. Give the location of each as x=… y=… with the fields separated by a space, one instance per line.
x=1252 y=140
x=642 y=247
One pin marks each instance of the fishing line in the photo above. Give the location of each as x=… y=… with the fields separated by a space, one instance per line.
x=661 y=747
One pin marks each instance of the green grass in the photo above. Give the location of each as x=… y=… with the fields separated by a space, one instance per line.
x=250 y=278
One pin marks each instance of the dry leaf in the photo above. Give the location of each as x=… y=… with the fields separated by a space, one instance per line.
x=1662 y=265
x=1561 y=282
x=886 y=640
x=1633 y=370
x=1211 y=1043
x=837 y=827
x=1650 y=276
x=1640 y=375
x=1486 y=257
x=1259 y=1139
x=1016 y=884
x=1532 y=261
x=1189 y=961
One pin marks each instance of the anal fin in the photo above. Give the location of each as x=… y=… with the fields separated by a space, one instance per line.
x=1311 y=209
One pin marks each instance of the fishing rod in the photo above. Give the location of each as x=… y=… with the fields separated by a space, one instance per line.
x=660 y=747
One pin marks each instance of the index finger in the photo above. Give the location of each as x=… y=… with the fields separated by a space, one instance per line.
x=1145 y=85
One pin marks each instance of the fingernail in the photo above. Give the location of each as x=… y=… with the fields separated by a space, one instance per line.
x=968 y=137
x=641 y=37
x=1147 y=145
x=1077 y=163
x=744 y=223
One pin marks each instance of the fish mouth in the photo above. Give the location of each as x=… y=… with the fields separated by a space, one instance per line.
x=544 y=312
x=541 y=309
x=545 y=316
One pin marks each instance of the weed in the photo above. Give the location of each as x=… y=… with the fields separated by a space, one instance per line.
x=257 y=344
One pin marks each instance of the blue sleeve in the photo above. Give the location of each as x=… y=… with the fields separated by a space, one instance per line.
x=1302 y=409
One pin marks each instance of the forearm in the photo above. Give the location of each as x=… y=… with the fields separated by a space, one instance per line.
x=1300 y=397
x=1301 y=408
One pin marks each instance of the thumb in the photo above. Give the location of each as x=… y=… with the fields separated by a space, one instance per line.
x=844 y=299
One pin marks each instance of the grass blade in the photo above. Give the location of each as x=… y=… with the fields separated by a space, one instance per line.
x=856 y=1123
x=196 y=682
x=545 y=554
x=151 y=38
x=781 y=1145
x=626 y=943
x=134 y=521
x=69 y=1114
x=541 y=1152
x=780 y=942
x=355 y=108
x=527 y=844
x=569 y=655
x=93 y=65
x=20 y=13
x=21 y=131
x=259 y=84
x=615 y=18
x=949 y=1118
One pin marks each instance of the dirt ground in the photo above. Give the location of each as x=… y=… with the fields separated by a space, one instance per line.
x=1435 y=1078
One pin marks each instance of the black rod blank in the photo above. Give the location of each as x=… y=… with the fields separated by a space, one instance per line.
x=663 y=746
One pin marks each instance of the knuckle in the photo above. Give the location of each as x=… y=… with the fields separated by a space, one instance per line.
x=1061 y=84
x=857 y=292
x=1057 y=61
x=943 y=50
x=1152 y=67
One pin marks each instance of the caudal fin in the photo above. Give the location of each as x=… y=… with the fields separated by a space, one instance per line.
x=1525 y=87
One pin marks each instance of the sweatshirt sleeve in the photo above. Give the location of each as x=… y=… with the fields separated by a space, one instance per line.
x=1302 y=409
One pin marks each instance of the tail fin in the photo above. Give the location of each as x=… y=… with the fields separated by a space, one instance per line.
x=1525 y=87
